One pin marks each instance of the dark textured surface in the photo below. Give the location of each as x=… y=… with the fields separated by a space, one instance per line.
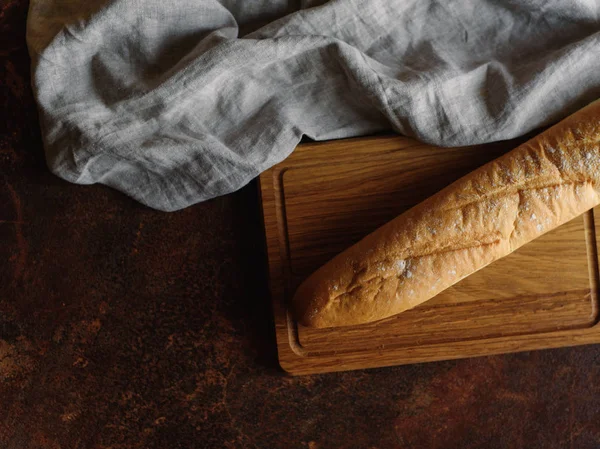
x=121 y=327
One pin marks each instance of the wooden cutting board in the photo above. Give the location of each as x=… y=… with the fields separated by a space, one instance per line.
x=327 y=196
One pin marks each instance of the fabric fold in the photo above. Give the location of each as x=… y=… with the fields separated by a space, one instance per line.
x=175 y=103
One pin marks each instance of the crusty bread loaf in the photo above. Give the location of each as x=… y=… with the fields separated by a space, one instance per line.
x=478 y=219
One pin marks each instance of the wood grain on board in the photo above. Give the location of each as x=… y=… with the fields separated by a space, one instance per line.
x=327 y=196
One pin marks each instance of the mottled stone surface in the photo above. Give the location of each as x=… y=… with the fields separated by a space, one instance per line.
x=122 y=327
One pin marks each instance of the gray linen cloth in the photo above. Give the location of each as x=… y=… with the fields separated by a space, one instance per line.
x=175 y=102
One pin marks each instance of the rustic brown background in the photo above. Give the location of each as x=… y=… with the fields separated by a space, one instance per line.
x=122 y=327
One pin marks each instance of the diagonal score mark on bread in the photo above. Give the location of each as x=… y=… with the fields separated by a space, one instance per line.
x=478 y=219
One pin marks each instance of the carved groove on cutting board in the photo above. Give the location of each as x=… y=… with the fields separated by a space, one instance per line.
x=284 y=247
x=592 y=256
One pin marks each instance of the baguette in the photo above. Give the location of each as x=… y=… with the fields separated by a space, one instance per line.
x=478 y=219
